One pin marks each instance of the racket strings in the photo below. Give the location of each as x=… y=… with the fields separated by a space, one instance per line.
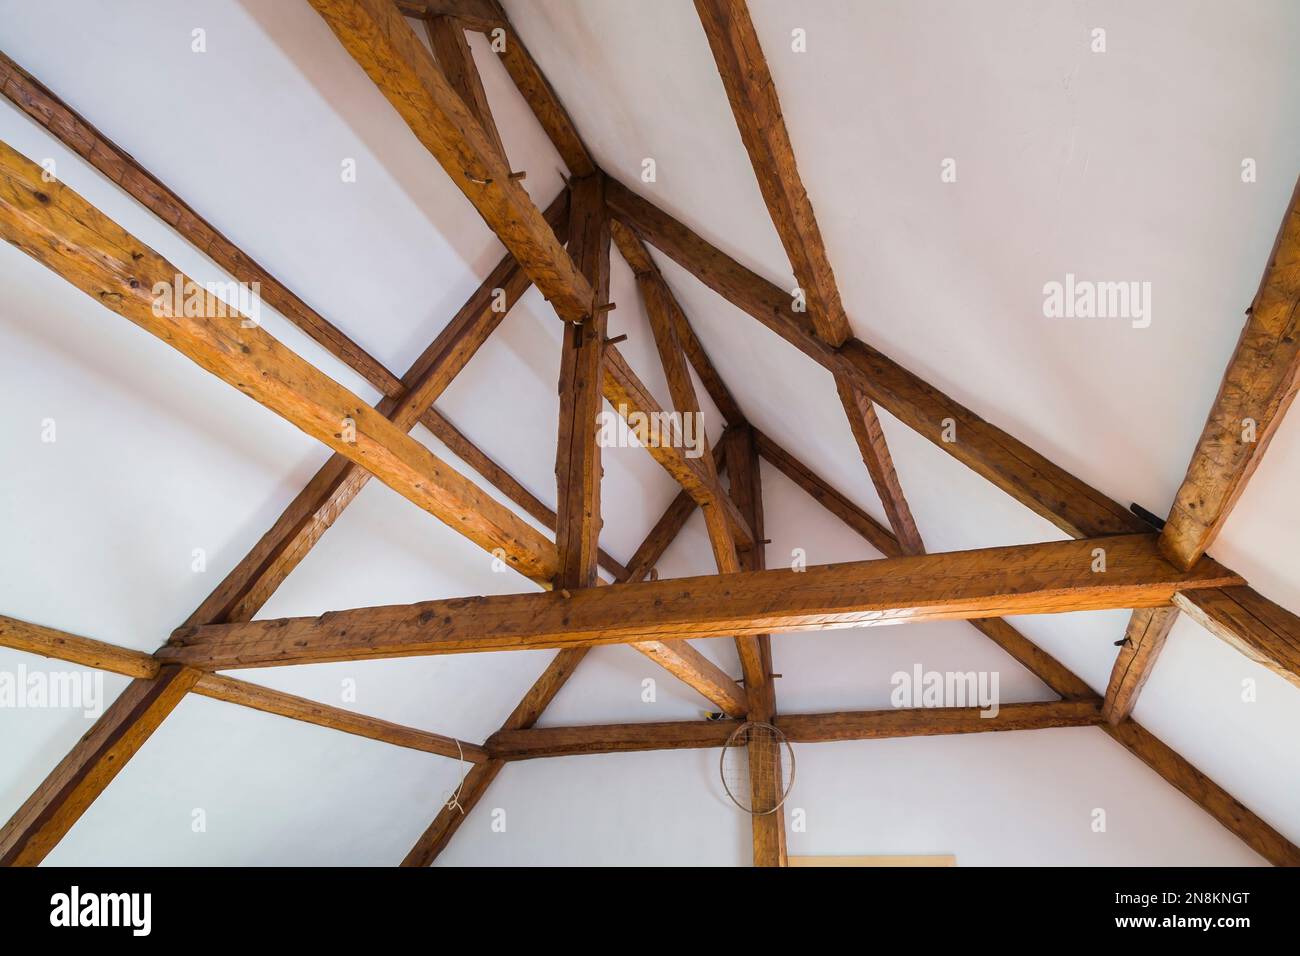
x=757 y=768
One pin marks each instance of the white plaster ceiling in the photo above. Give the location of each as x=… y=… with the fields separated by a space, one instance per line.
x=1122 y=165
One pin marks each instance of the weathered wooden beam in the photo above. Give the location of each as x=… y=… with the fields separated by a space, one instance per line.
x=377 y=36
x=1148 y=629
x=1011 y=465
x=532 y=84
x=638 y=258
x=1025 y=579
x=1257 y=627
x=765 y=754
x=451 y=50
x=1257 y=389
x=666 y=316
x=78 y=135
x=577 y=459
x=58 y=228
x=1203 y=791
x=870 y=439
x=60 y=645
x=1177 y=771
x=309 y=515
x=251 y=583
x=83 y=774
x=475 y=14
x=799 y=728
x=757 y=108
x=630 y=398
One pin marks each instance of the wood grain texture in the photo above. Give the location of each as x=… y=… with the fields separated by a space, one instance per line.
x=63 y=232
x=451 y=50
x=765 y=753
x=993 y=582
x=581 y=385
x=60 y=645
x=86 y=651
x=638 y=258
x=76 y=133
x=536 y=90
x=870 y=439
x=757 y=109
x=83 y=774
x=377 y=36
x=1148 y=629
x=1011 y=465
x=632 y=400
x=1178 y=772
x=1203 y=791
x=256 y=697
x=1257 y=389
x=799 y=728
x=1259 y=628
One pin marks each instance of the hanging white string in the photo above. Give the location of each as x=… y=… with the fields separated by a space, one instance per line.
x=454 y=802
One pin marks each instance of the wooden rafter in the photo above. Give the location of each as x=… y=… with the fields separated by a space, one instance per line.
x=88 y=652
x=798 y=728
x=1148 y=629
x=75 y=132
x=992 y=582
x=1263 y=631
x=870 y=439
x=765 y=754
x=49 y=813
x=379 y=38
x=631 y=399
x=1178 y=772
x=451 y=49
x=577 y=462
x=58 y=228
x=757 y=109
x=666 y=318
x=1257 y=389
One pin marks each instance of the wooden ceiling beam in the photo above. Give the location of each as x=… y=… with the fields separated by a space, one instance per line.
x=71 y=787
x=451 y=50
x=577 y=463
x=665 y=317
x=765 y=754
x=488 y=17
x=1177 y=771
x=1257 y=389
x=799 y=728
x=60 y=645
x=1257 y=627
x=1148 y=629
x=1025 y=579
x=632 y=400
x=870 y=439
x=379 y=38
x=757 y=109
x=58 y=228
x=280 y=550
